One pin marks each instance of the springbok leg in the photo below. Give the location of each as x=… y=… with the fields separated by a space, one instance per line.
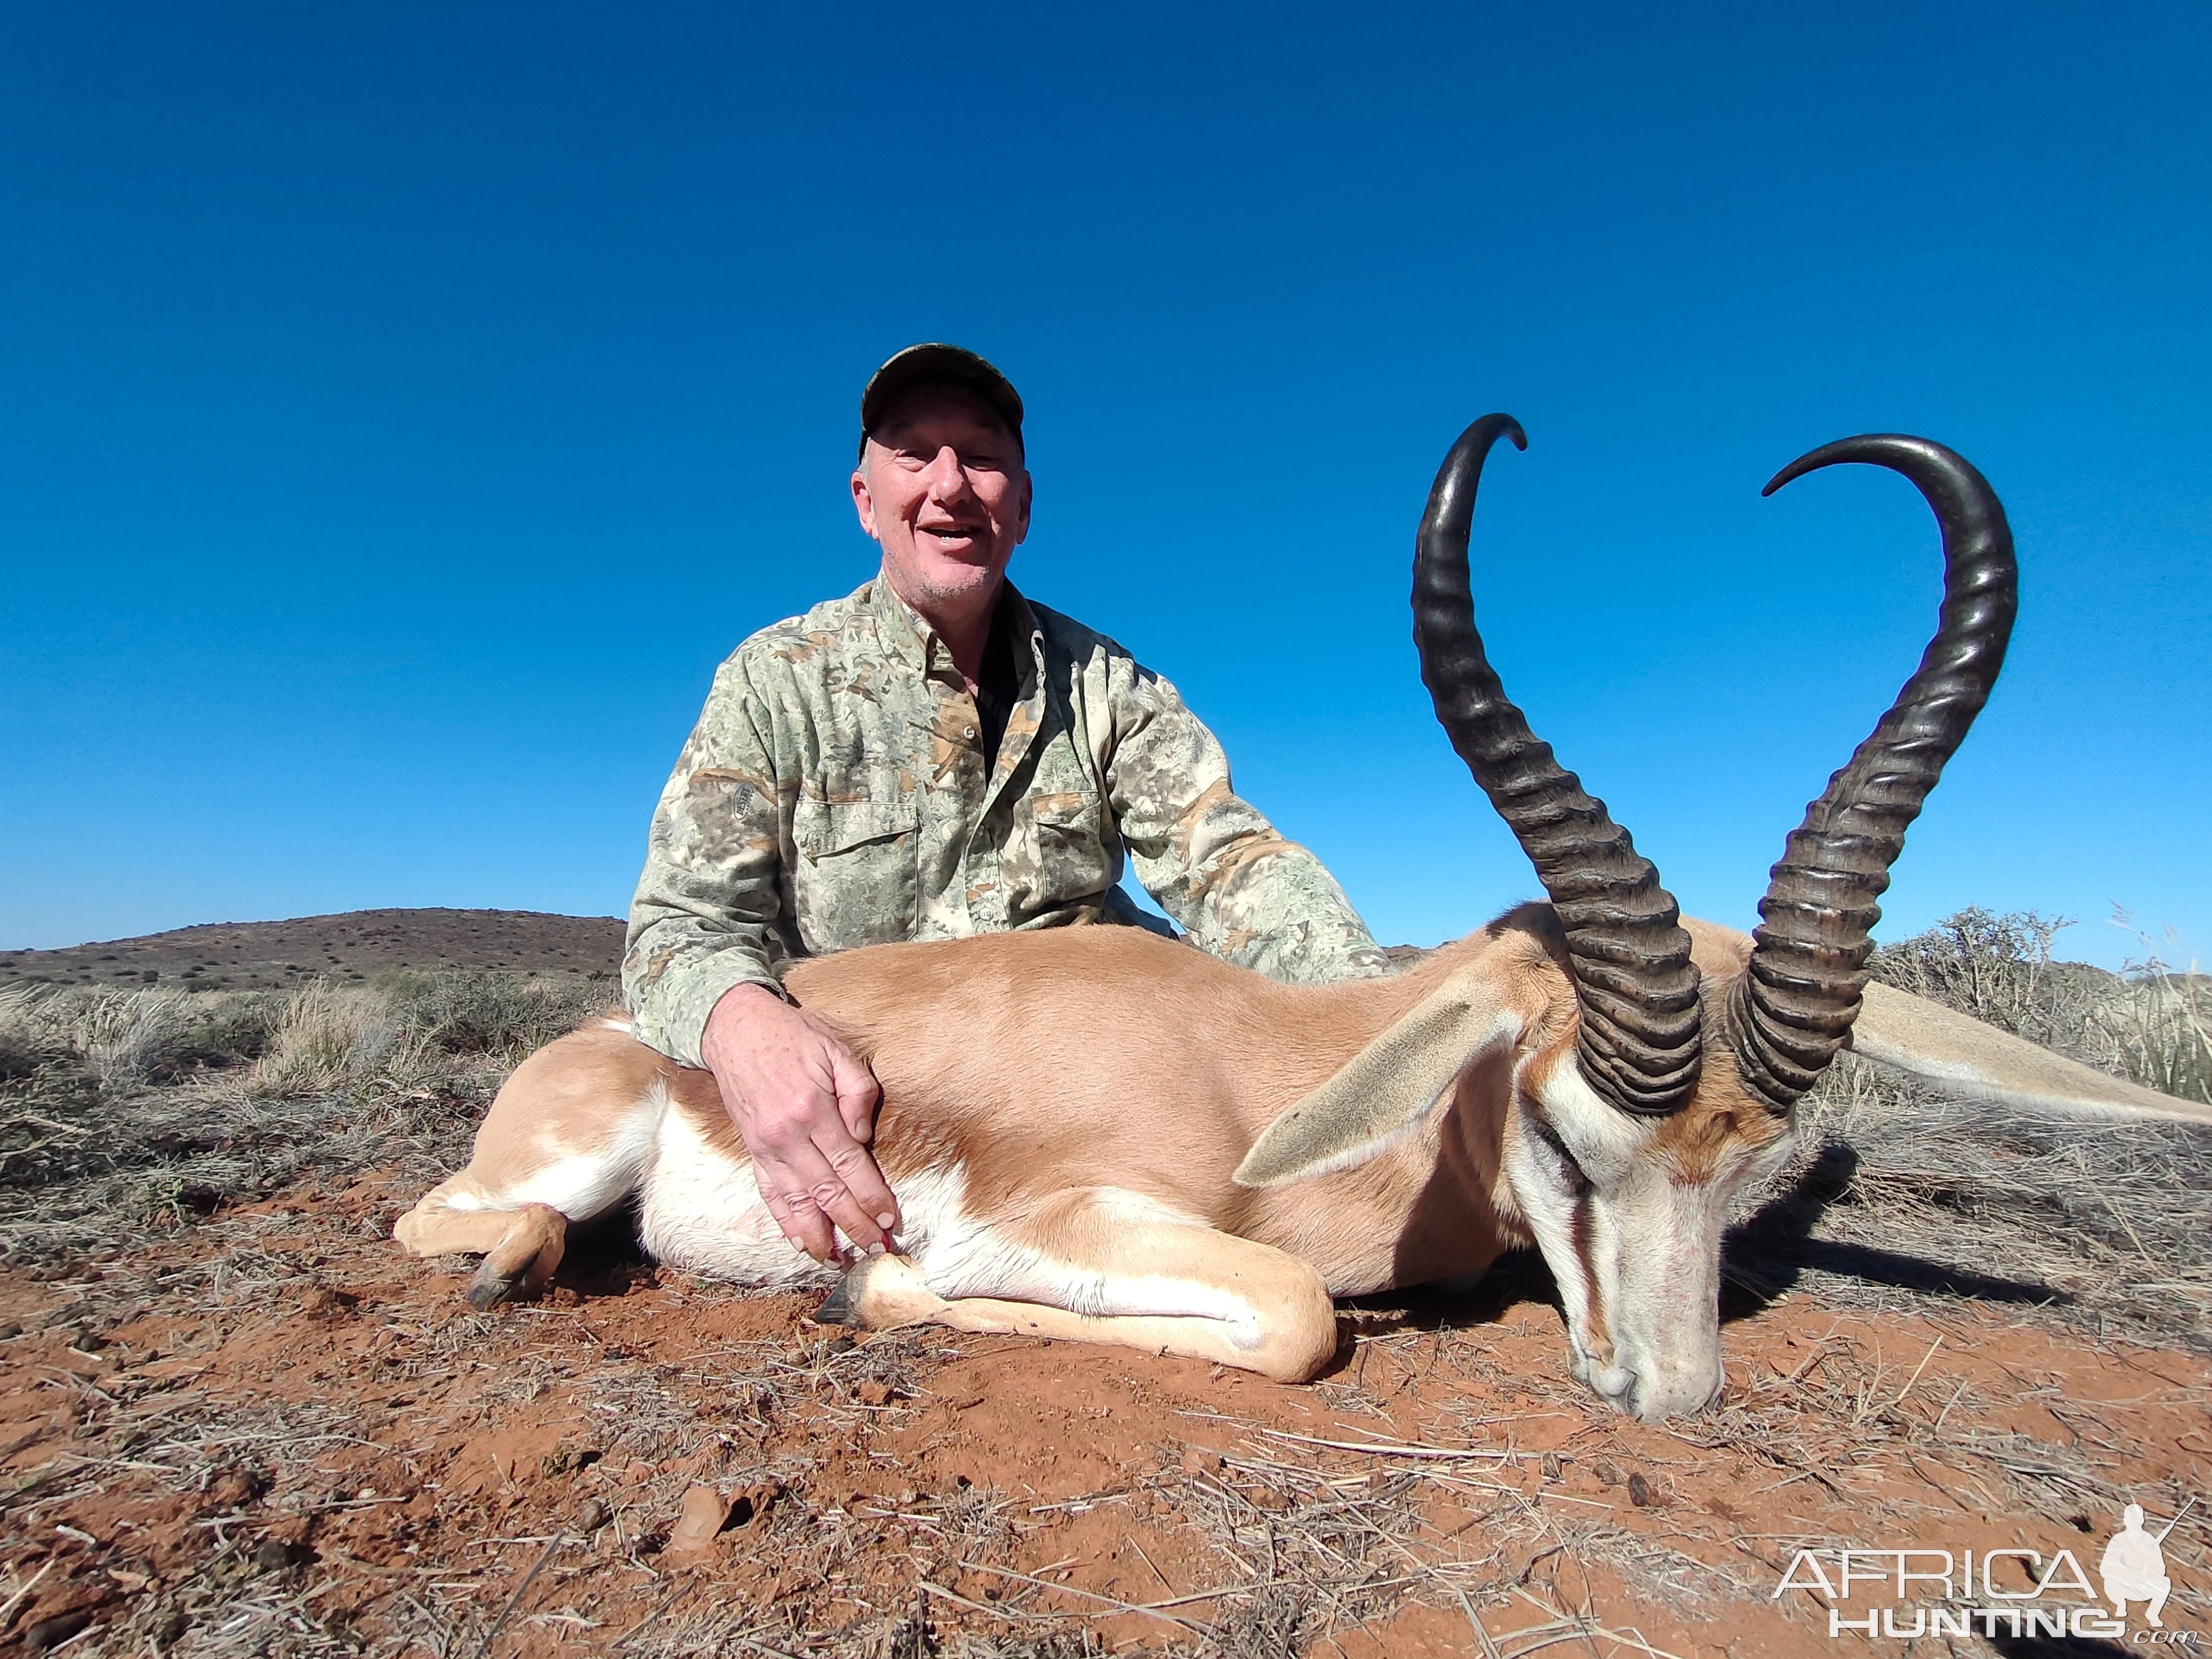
x=521 y=1246
x=1141 y=1278
x=566 y=1139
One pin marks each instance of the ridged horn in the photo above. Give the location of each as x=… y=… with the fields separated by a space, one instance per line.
x=1630 y=958
x=1794 y=1005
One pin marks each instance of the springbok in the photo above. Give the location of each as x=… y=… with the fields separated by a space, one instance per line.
x=1099 y=1134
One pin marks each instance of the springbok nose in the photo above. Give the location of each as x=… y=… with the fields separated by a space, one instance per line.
x=1612 y=1382
x=1652 y=1398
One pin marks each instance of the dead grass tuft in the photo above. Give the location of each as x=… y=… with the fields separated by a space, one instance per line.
x=1899 y=1198
x=2148 y=1024
x=328 y=1037
x=125 y=1114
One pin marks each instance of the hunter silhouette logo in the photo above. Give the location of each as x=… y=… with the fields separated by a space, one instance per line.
x=2014 y=1591
x=2134 y=1567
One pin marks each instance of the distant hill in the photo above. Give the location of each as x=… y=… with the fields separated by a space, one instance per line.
x=234 y=955
x=352 y=945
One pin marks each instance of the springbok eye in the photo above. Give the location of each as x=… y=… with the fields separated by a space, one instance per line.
x=1570 y=1171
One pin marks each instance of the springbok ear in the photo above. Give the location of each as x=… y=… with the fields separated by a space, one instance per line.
x=1386 y=1089
x=1959 y=1055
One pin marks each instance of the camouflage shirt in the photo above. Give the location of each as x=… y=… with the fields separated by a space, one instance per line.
x=835 y=793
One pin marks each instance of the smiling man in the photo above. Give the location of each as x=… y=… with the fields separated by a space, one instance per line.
x=931 y=756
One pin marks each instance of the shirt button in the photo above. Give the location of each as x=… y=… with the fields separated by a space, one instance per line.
x=969 y=733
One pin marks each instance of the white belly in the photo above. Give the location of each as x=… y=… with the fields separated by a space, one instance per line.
x=700 y=1210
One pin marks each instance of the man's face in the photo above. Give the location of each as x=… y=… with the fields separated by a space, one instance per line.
x=942 y=488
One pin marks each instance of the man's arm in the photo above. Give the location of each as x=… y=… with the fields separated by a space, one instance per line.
x=1237 y=886
x=698 y=976
x=701 y=921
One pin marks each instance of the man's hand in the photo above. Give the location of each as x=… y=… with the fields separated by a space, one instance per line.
x=806 y=1107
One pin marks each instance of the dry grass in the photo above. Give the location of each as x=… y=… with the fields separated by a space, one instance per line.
x=2152 y=1023
x=1899 y=1198
x=125 y=1115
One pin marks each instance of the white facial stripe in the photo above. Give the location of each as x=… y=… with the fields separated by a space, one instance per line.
x=1606 y=1140
x=1550 y=1209
x=1637 y=1256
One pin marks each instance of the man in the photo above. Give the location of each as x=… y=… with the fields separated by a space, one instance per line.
x=2134 y=1568
x=932 y=757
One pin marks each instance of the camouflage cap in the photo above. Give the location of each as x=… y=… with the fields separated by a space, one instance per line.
x=935 y=364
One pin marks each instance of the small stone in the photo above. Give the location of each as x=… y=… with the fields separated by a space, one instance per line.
x=1639 y=1491
x=592 y=1517
x=561 y=1460
x=273 y=1555
x=701 y=1517
x=10 y=1328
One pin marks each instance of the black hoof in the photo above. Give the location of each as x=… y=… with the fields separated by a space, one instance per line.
x=488 y=1290
x=837 y=1308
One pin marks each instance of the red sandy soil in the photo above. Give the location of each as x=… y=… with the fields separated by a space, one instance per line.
x=447 y=1449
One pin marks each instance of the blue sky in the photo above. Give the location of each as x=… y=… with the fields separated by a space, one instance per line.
x=405 y=407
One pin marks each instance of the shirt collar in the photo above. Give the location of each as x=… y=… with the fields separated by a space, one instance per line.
x=909 y=636
x=903 y=630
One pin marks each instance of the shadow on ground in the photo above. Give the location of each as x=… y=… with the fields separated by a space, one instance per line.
x=1771 y=1252
x=1763 y=1257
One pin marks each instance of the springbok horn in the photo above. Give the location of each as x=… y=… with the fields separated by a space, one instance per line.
x=1630 y=958
x=1793 y=1007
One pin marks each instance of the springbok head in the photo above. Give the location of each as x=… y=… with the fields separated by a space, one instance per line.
x=1641 y=1109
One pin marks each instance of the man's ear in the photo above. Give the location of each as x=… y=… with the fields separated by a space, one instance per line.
x=1021 y=529
x=864 y=502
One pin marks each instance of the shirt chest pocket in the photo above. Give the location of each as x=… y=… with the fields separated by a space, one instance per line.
x=1058 y=852
x=857 y=881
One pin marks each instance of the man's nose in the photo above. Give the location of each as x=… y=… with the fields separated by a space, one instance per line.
x=946 y=478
